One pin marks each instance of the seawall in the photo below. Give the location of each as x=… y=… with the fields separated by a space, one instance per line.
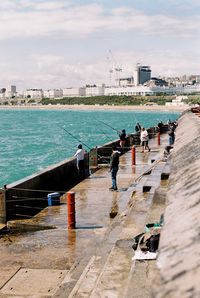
x=17 y=198
x=179 y=258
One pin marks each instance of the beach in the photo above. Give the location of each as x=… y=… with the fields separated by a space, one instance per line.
x=164 y=108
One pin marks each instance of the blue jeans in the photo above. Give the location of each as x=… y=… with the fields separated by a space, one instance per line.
x=171 y=140
x=114 y=176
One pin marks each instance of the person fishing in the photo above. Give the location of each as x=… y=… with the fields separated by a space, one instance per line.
x=80 y=153
x=171 y=136
x=114 y=166
x=137 y=127
x=144 y=137
x=122 y=138
x=74 y=137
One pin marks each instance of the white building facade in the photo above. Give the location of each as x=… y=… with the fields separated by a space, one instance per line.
x=34 y=93
x=94 y=90
x=128 y=91
x=71 y=92
x=53 y=93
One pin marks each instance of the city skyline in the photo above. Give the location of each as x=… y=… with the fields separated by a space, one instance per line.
x=58 y=44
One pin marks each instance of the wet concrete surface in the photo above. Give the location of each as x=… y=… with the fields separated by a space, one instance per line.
x=106 y=222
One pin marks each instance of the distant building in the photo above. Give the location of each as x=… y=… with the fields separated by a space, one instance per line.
x=34 y=93
x=93 y=90
x=126 y=81
x=128 y=91
x=142 y=74
x=71 y=92
x=53 y=93
x=10 y=91
x=155 y=82
x=178 y=101
x=2 y=93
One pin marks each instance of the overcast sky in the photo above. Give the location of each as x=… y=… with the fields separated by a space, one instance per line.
x=63 y=43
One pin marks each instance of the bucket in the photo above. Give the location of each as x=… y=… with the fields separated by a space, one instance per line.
x=53 y=199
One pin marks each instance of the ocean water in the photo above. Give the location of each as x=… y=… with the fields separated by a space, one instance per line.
x=31 y=140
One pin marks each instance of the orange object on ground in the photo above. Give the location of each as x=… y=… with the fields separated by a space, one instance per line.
x=133 y=153
x=71 y=210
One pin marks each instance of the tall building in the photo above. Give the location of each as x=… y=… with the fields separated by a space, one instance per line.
x=11 y=91
x=142 y=74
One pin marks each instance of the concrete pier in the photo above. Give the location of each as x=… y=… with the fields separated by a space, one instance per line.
x=42 y=258
x=95 y=258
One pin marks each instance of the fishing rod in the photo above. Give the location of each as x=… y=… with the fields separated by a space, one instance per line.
x=80 y=141
x=74 y=137
x=104 y=133
x=110 y=126
x=118 y=131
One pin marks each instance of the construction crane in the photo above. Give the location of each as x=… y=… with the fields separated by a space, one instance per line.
x=114 y=69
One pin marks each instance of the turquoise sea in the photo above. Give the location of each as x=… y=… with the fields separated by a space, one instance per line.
x=31 y=140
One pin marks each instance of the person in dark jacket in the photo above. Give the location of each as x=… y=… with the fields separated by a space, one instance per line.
x=138 y=127
x=171 y=137
x=122 y=137
x=114 y=166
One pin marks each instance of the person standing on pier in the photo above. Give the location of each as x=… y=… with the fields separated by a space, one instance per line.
x=171 y=136
x=114 y=166
x=144 y=137
x=137 y=127
x=80 y=160
x=122 y=137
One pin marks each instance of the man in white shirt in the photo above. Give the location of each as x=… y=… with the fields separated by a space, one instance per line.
x=80 y=160
x=144 y=137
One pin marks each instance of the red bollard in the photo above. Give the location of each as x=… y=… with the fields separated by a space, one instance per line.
x=158 y=138
x=133 y=151
x=71 y=210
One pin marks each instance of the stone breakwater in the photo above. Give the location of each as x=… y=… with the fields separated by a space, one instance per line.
x=179 y=257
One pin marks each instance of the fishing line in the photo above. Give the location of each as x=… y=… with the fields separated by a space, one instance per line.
x=118 y=131
x=110 y=126
x=81 y=142
x=104 y=133
x=74 y=136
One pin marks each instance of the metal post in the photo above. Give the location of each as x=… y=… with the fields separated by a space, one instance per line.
x=71 y=210
x=133 y=154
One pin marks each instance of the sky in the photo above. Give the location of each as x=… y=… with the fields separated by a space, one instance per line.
x=70 y=43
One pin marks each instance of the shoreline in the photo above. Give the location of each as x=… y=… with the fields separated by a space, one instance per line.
x=97 y=107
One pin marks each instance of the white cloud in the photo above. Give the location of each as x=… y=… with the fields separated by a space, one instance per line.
x=50 y=5
x=26 y=22
x=54 y=71
x=47 y=19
